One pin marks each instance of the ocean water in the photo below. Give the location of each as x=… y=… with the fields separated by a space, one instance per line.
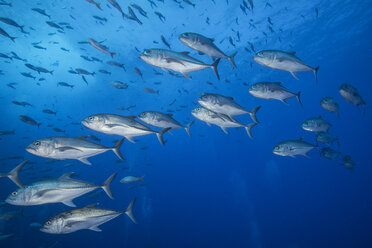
x=211 y=190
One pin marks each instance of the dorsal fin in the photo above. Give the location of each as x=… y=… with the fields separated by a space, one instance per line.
x=292 y=52
x=230 y=97
x=320 y=117
x=300 y=139
x=169 y=114
x=66 y=175
x=131 y=116
x=278 y=83
x=185 y=53
x=82 y=137
x=211 y=39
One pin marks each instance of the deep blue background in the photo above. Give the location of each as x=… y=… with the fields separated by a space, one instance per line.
x=213 y=190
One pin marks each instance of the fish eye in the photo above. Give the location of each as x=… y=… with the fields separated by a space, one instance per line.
x=91 y=118
x=14 y=193
x=147 y=52
x=37 y=143
x=48 y=222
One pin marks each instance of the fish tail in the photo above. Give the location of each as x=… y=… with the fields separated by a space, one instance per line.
x=106 y=185
x=187 y=128
x=231 y=59
x=298 y=97
x=253 y=114
x=99 y=5
x=249 y=127
x=141 y=178
x=214 y=67
x=316 y=73
x=51 y=72
x=160 y=135
x=13 y=174
x=129 y=211
x=21 y=27
x=38 y=124
x=116 y=148
x=12 y=38
x=112 y=55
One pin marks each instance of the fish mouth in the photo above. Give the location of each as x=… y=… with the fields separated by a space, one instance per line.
x=85 y=122
x=30 y=149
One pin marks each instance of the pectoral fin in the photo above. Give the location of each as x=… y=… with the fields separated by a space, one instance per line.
x=95 y=228
x=85 y=161
x=224 y=130
x=170 y=60
x=294 y=74
x=67 y=148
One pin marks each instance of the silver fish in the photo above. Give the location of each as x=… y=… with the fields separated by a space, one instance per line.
x=292 y=148
x=125 y=126
x=100 y=47
x=176 y=61
x=316 y=124
x=329 y=153
x=205 y=45
x=225 y=105
x=351 y=94
x=63 y=189
x=220 y=120
x=131 y=179
x=161 y=120
x=326 y=138
x=286 y=61
x=62 y=148
x=273 y=90
x=88 y=217
x=329 y=103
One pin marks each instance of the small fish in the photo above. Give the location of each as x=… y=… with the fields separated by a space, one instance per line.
x=100 y=47
x=351 y=94
x=7 y=132
x=64 y=49
x=160 y=15
x=348 y=162
x=119 y=85
x=100 y=18
x=54 y=25
x=65 y=84
x=317 y=124
x=133 y=16
x=11 y=22
x=84 y=79
x=27 y=75
x=98 y=5
x=330 y=104
x=165 y=41
x=113 y=63
x=131 y=179
x=11 y=214
x=58 y=130
x=2 y=32
x=273 y=90
x=326 y=138
x=105 y=72
x=136 y=70
x=48 y=111
x=29 y=120
x=41 y=11
x=117 y=6
x=151 y=91
x=84 y=72
x=189 y=3
x=40 y=47
x=329 y=153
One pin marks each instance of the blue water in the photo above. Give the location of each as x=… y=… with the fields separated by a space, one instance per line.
x=213 y=190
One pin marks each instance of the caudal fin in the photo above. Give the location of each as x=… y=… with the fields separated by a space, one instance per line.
x=112 y=55
x=13 y=174
x=106 y=185
x=141 y=179
x=231 y=59
x=248 y=129
x=116 y=148
x=12 y=38
x=253 y=114
x=160 y=135
x=214 y=67
x=129 y=211
x=298 y=98
x=187 y=128
x=99 y=5
x=316 y=73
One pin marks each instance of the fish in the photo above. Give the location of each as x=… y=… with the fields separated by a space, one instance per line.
x=13 y=174
x=125 y=126
x=117 y=6
x=220 y=120
x=56 y=129
x=329 y=153
x=5 y=236
x=136 y=70
x=27 y=74
x=88 y=217
x=114 y=63
x=119 y=85
x=348 y=162
x=160 y=15
x=98 y=5
x=2 y=55
x=65 y=84
x=62 y=148
x=28 y=120
x=226 y=106
x=2 y=2
x=326 y=138
x=84 y=79
x=48 y=111
x=11 y=214
x=7 y=132
x=351 y=94
x=133 y=16
x=189 y=3
x=54 y=25
x=176 y=61
x=40 y=47
x=205 y=45
x=161 y=120
x=165 y=41
x=273 y=90
x=64 y=49
x=100 y=47
x=151 y=91
x=23 y=104
x=293 y=148
x=84 y=72
x=316 y=124
x=11 y=22
x=60 y=190
x=38 y=69
x=105 y=72
x=35 y=224
x=41 y=11
x=286 y=61
x=330 y=104
x=131 y=179
x=2 y=32
x=100 y=18
x=15 y=56
x=140 y=10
